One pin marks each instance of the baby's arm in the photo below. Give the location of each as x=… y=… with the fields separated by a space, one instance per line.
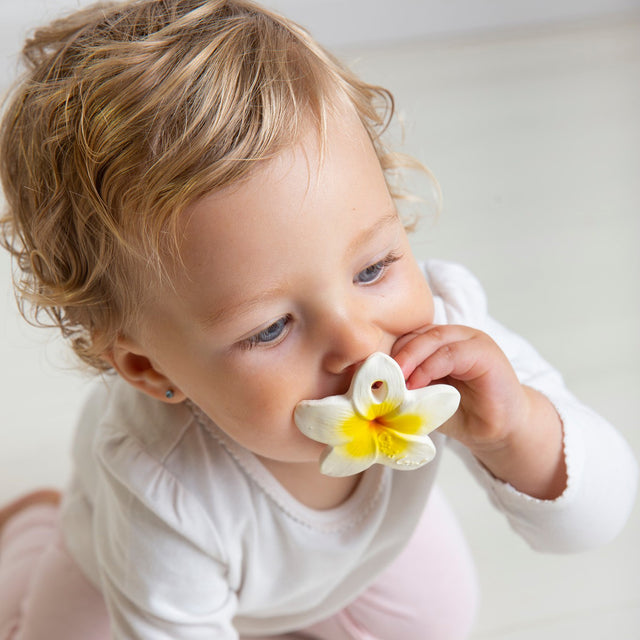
x=594 y=461
x=157 y=584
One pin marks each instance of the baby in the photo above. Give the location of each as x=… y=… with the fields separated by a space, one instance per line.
x=198 y=196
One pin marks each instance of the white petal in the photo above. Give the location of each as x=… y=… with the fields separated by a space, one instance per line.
x=436 y=404
x=421 y=451
x=337 y=463
x=378 y=367
x=320 y=419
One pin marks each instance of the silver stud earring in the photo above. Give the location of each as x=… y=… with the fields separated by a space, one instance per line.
x=169 y=394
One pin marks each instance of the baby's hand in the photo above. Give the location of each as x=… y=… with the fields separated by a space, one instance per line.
x=493 y=401
x=512 y=429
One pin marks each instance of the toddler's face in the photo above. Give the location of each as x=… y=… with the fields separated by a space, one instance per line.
x=292 y=279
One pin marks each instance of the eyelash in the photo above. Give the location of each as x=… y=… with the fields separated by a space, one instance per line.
x=258 y=338
x=382 y=265
x=255 y=339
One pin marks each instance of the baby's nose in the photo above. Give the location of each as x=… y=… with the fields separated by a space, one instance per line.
x=350 y=343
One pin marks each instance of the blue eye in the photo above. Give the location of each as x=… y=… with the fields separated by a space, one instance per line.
x=268 y=335
x=375 y=271
x=371 y=273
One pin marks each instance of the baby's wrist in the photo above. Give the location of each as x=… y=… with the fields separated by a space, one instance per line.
x=530 y=457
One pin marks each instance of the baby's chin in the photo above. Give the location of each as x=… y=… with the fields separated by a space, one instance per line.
x=300 y=449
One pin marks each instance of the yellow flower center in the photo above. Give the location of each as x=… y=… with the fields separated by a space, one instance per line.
x=382 y=433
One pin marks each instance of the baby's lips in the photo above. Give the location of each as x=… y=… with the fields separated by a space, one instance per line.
x=377 y=421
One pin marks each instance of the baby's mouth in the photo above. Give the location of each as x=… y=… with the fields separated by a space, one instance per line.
x=377 y=420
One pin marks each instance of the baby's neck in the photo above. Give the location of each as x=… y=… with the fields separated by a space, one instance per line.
x=307 y=485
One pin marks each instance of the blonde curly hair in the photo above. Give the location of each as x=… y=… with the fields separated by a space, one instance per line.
x=126 y=115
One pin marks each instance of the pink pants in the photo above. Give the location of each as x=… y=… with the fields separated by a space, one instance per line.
x=428 y=593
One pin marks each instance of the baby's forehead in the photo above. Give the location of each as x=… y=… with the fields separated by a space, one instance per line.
x=298 y=189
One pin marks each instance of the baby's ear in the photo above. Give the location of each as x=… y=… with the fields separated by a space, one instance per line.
x=130 y=361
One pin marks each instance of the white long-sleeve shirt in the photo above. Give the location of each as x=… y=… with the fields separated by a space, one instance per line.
x=188 y=535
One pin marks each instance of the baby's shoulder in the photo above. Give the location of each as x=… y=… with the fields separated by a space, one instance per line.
x=136 y=449
x=126 y=436
x=459 y=297
x=115 y=411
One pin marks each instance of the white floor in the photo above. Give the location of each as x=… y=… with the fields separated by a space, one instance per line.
x=534 y=137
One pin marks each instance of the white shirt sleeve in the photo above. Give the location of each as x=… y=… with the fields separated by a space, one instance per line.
x=159 y=580
x=602 y=471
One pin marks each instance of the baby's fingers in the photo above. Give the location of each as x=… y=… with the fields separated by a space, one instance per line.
x=443 y=351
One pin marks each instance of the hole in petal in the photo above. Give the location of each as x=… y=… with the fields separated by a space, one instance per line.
x=379 y=390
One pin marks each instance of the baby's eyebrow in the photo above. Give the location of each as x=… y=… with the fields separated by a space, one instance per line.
x=388 y=219
x=242 y=306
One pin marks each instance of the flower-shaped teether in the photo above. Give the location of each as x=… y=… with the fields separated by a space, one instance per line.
x=377 y=420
